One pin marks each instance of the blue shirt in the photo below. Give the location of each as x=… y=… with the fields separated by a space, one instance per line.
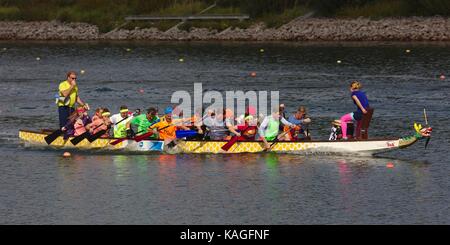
x=364 y=102
x=295 y=121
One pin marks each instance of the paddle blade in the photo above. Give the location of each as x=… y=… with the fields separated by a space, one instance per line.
x=53 y=136
x=230 y=143
x=115 y=142
x=142 y=137
x=79 y=138
x=185 y=133
x=426 y=142
x=97 y=135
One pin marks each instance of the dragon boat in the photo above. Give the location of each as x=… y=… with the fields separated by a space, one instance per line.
x=361 y=147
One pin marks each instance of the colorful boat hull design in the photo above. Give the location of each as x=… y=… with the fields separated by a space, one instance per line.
x=361 y=147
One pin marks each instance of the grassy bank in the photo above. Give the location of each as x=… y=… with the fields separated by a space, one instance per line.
x=108 y=14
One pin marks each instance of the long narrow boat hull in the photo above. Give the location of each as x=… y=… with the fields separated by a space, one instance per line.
x=361 y=147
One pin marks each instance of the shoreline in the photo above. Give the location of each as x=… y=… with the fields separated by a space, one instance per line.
x=421 y=29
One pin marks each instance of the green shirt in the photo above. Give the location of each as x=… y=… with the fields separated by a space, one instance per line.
x=143 y=123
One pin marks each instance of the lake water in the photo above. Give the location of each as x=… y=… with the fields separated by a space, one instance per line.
x=41 y=187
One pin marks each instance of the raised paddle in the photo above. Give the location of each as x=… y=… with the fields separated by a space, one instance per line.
x=53 y=136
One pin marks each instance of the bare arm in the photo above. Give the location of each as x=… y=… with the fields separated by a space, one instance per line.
x=233 y=130
x=67 y=92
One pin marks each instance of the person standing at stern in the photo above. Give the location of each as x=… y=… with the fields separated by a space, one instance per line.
x=68 y=96
x=362 y=105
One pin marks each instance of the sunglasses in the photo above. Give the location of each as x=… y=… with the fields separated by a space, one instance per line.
x=73 y=78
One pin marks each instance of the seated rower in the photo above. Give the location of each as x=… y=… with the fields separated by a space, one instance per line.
x=249 y=111
x=143 y=122
x=166 y=127
x=215 y=125
x=100 y=123
x=76 y=123
x=269 y=128
x=120 y=121
x=229 y=124
x=98 y=113
x=248 y=130
x=301 y=121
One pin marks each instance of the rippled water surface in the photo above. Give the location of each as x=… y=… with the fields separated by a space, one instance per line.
x=41 y=187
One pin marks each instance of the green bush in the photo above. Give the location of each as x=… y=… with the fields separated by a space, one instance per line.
x=9 y=13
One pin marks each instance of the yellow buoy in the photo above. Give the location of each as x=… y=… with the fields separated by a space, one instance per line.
x=407 y=51
x=82 y=71
x=37 y=58
x=339 y=61
x=181 y=60
x=128 y=49
x=261 y=50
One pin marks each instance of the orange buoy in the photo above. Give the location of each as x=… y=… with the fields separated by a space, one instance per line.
x=67 y=154
x=253 y=74
x=141 y=90
x=442 y=77
x=389 y=165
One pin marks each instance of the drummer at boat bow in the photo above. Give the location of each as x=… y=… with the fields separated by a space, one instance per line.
x=143 y=122
x=68 y=96
x=120 y=121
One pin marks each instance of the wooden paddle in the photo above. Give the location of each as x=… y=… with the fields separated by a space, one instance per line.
x=120 y=140
x=276 y=140
x=150 y=133
x=53 y=136
x=82 y=136
x=233 y=140
x=93 y=137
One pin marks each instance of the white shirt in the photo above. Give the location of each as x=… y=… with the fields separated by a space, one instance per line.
x=117 y=118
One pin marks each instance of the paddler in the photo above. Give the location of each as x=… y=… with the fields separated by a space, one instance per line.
x=229 y=124
x=76 y=123
x=248 y=130
x=100 y=123
x=214 y=122
x=68 y=96
x=143 y=122
x=301 y=121
x=270 y=127
x=98 y=113
x=120 y=129
x=166 y=127
x=362 y=105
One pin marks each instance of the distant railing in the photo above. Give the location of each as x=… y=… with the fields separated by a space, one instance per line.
x=189 y=17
